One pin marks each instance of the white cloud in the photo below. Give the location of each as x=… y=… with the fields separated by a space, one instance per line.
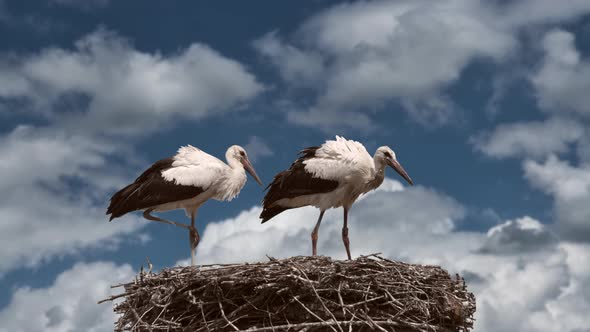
x=288 y=234
x=58 y=176
x=370 y=53
x=545 y=292
x=257 y=148
x=570 y=188
x=518 y=236
x=529 y=290
x=529 y=12
x=537 y=285
x=295 y=66
x=518 y=289
x=126 y=90
x=38 y=205
x=563 y=313
x=561 y=83
x=69 y=304
x=563 y=79
x=364 y=56
x=558 y=177
x=534 y=139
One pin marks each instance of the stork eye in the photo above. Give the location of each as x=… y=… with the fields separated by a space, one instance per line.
x=242 y=153
x=387 y=154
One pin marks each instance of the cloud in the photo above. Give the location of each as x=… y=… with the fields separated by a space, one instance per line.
x=365 y=54
x=561 y=84
x=570 y=188
x=59 y=174
x=257 y=148
x=517 y=237
x=535 y=139
x=558 y=177
x=42 y=206
x=523 y=278
x=531 y=12
x=69 y=304
x=519 y=289
x=563 y=79
x=370 y=56
x=295 y=66
x=288 y=234
x=104 y=85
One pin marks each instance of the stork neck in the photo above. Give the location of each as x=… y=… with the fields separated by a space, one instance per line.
x=232 y=181
x=234 y=163
x=379 y=165
x=379 y=175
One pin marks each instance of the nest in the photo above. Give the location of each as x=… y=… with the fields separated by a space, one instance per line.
x=369 y=293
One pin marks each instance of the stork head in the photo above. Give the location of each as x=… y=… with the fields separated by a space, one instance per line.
x=386 y=156
x=238 y=153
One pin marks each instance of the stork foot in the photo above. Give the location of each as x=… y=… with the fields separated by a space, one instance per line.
x=346 y=241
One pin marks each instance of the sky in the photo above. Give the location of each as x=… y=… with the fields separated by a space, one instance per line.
x=485 y=103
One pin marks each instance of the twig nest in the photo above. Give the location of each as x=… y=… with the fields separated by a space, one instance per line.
x=298 y=294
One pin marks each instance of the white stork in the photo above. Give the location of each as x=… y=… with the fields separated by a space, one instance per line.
x=184 y=181
x=332 y=175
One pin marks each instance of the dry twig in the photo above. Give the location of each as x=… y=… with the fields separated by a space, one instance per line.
x=297 y=294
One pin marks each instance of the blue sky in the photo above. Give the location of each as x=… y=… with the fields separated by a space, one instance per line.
x=484 y=102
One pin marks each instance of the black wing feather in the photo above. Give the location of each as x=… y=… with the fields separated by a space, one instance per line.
x=292 y=183
x=150 y=189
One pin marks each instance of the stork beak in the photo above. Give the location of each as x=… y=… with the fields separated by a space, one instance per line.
x=248 y=167
x=400 y=170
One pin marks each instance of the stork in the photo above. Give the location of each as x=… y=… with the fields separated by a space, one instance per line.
x=184 y=181
x=332 y=175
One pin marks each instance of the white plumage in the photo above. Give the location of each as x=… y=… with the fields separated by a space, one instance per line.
x=332 y=175
x=184 y=181
x=339 y=159
x=220 y=181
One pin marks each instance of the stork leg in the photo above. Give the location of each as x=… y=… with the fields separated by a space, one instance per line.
x=193 y=233
x=345 y=234
x=314 y=235
x=193 y=237
x=147 y=215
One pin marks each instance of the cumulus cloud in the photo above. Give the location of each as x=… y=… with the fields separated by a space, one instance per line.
x=561 y=84
x=523 y=277
x=517 y=237
x=368 y=56
x=535 y=139
x=59 y=175
x=570 y=187
x=296 y=66
x=40 y=206
x=558 y=177
x=365 y=54
x=563 y=79
x=529 y=12
x=69 y=304
x=289 y=233
x=116 y=89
